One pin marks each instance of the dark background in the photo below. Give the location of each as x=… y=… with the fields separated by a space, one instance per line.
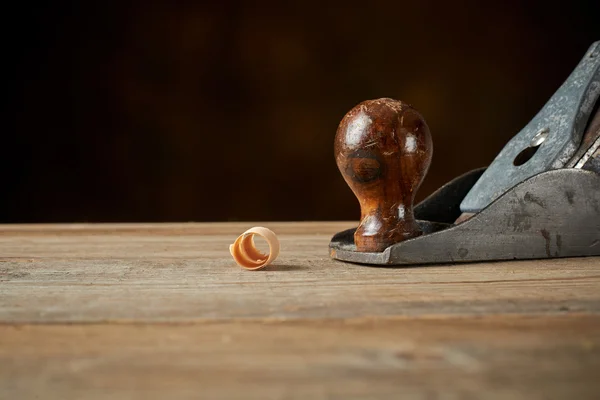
x=216 y=111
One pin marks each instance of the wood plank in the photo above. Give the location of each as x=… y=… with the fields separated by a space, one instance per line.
x=152 y=311
x=183 y=272
x=495 y=357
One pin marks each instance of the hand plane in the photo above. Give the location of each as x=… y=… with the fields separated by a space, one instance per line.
x=540 y=197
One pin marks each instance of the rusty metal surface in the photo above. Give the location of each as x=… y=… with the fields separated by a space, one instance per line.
x=549 y=141
x=588 y=155
x=553 y=214
x=588 y=142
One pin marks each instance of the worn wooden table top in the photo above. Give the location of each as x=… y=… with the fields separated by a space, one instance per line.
x=161 y=311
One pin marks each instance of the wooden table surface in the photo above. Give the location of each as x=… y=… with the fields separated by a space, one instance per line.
x=161 y=312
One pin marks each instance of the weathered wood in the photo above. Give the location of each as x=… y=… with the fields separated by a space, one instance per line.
x=491 y=357
x=161 y=311
x=184 y=272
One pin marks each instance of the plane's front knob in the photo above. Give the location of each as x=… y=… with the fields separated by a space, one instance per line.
x=383 y=149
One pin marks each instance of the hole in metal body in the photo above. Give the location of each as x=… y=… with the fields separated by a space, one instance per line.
x=530 y=151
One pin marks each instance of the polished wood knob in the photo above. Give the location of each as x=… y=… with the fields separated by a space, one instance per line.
x=383 y=149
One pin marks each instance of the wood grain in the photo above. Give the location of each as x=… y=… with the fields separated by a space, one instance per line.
x=161 y=311
x=383 y=149
x=491 y=357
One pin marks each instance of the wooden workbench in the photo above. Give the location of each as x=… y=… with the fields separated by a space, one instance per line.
x=162 y=312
